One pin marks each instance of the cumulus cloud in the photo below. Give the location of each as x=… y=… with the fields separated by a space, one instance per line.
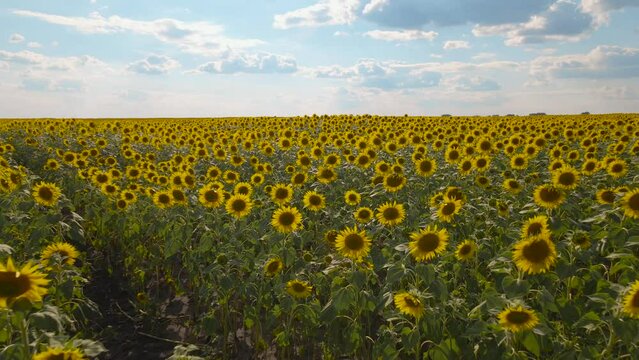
x=201 y=38
x=600 y=9
x=322 y=13
x=153 y=65
x=562 y=21
x=37 y=61
x=403 y=35
x=417 y=13
x=601 y=62
x=16 y=38
x=250 y=63
x=456 y=44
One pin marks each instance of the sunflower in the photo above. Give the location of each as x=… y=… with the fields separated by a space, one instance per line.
x=352 y=243
x=243 y=188
x=352 y=197
x=24 y=283
x=535 y=254
x=56 y=353
x=512 y=186
x=210 y=197
x=363 y=215
x=239 y=205
x=590 y=167
x=503 y=209
x=581 y=239
x=390 y=214
x=282 y=194
x=65 y=251
x=518 y=319
x=286 y=219
x=519 y=162
x=482 y=181
x=630 y=204
x=46 y=194
x=273 y=267
x=565 y=178
x=465 y=166
x=436 y=199
x=428 y=243
x=535 y=226
x=548 y=196
x=394 y=182
x=326 y=175
x=179 y=197
x=617 y=168
x=409 y=304
x=299 y=289
x=314 y=201
x=425 y=167
x=448 y=208
x=605 y=196
x=163 y=199
x=466 y=250
x=631 y=301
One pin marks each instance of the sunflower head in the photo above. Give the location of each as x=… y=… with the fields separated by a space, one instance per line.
x=630 y=204
x=535 y=255
x=57 y=353
x=428 y=243
x=409 y=304
x=448 y=208
x=466 y=250
x=299 y=289
x=286 y=219
x=46 y=194
x=239 y=205
x=273 y=267
x=363 y=215
x=391 y=213
x=26 y=282
x=535 y=226
x=631 y=301
x=353 y=243
x=518 y=319
x=548 y=196
x=64 y=252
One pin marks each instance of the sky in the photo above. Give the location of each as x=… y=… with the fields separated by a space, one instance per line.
x=195 y=58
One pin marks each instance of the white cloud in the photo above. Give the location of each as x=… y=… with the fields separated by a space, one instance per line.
x=322 y=13
x=484 y=56
x=34 y=45
x=37 y=61
x=16 y=38
x=341 y=34
x=153 y=65
x=601 y=62
x=456 y=44
x=201 y=38
x=471 y=83
x=600 y=9
x=403 y=35
x=250 y=63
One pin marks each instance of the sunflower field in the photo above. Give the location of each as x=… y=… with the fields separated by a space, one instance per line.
x=323 y=237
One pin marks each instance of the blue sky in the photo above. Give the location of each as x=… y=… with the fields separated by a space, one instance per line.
x=99 y=58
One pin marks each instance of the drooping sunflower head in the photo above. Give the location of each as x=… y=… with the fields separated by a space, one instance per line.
x=286 y=219
x=273 y=267
x=299 y=289
x=46 y=194
x=630 y=204
x=466 y=250
x=409 y=304
x=631 y=301
x=535 y=255
x=26 y=282
x=353 y=243
x=537 y=225
x=548 y=196
x=391 y=213
x=428 y=243
x=64 y=252
x=518 y=319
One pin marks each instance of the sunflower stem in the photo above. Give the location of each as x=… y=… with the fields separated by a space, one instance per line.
x=25 y=336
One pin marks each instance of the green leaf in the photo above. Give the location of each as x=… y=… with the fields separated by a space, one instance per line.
x=532 y=344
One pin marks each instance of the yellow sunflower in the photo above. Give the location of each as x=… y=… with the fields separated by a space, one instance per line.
x=518 y=319
x=535 y=226
x=286 y=219
x=352 y=197
x=273 y=267
x=364 y=215
x=299 y=289
x=46 y=194
x=23 y=283
x=605 y=196
x=353 y=243
x=566 y=178
x=617 y=168
x=163 y=199
x=394 y=182
x=409 y=304
x=66 y=252
x=282 y=194
x=535 y=255
x=630 y=204
x=390 y=214
x=239 y=205
x=631 y=301
x=210 y=197
x=448 y=208
x=314 y=201
x=57 y=353
x=548 y=196
x=425 y=167
x=512 y=186
x=428 y=243
x=466 y=250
